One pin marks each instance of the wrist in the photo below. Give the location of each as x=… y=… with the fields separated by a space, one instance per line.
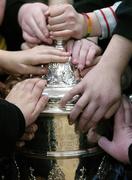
x=3 y=59
x=91 y=25
x=81 y=28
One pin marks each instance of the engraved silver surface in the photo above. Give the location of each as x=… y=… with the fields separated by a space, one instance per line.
x=60 y=79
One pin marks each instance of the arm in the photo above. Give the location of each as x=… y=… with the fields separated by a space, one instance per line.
x=10 y=28
x=20 y=109
x=34 y=23
x=121 y=145
x=65 y=22
x=29 y=60
x=95 y=88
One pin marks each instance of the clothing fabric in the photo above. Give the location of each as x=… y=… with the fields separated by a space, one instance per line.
x=124 y=16
x=12 y=126
x=130 y=153
x=90 y=5
x=107 y=19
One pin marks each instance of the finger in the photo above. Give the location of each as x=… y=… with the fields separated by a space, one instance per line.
x=40 y=106
x=53 y=59
x=76 y=52
x=66 y=34
x=58 y=27
x=57 y=52
x=35 y=26
x=41 y=23
x=92 y=135
x=99 y=114
x=112 y=110
x=58 y=20
x=78 y=108
x=27 y=137
x=82 y=57
x=106 y=145
x=86 y=116
x=24 y=46
x=90 y=56
x=69 y=46
x=35 y=70
x=38 y=88
x=128 y=111
x=96 y=60
x=32 y=128
x=29 y=84
x=85 y=71
x=69 y=95
x=57 y=57
x=55 y=10
x=30 y=39
x=119 y=119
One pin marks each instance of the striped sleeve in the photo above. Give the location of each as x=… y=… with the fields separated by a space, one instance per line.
x=107 y=19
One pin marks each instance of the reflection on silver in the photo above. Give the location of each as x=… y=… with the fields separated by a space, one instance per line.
x=60 y=79
x=60 y=74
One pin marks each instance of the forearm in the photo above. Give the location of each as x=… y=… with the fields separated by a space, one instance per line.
x=103 y=21
x=117 y=54
x=5 y=58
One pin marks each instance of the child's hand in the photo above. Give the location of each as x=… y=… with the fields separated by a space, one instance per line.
x=29 y=61
x=84 y=53
x=28 y=135
x=33 y=23
x=122 y=137
x=27 y=96
x=65 y=22
x=99 y=91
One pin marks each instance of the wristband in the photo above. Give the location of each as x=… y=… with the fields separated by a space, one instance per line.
x=89 y=23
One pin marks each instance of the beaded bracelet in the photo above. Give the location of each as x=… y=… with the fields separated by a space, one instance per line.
x=89 y=22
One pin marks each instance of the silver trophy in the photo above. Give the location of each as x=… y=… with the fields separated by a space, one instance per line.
x=60 y=77
x=56 y=142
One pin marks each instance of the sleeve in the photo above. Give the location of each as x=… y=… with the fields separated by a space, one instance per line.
x=12 y=126
x=130 y=153
x=90 y=5
x=107 y=19
x=124 y=19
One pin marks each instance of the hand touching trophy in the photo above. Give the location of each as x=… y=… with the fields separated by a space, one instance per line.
x=60 y=77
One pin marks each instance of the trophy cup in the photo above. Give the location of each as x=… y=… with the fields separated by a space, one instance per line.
x=56 y=142
x=58 y=149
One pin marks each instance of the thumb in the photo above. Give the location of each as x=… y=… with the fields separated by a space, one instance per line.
x=106 y=145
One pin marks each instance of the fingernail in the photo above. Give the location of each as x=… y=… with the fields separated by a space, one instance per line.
x=51 y=33
x=45 y=94
x=80 y=67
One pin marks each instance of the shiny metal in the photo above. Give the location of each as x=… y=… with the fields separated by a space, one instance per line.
x=60 y=79
x=62 y=145
x=58 y=142
x=56 y=139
